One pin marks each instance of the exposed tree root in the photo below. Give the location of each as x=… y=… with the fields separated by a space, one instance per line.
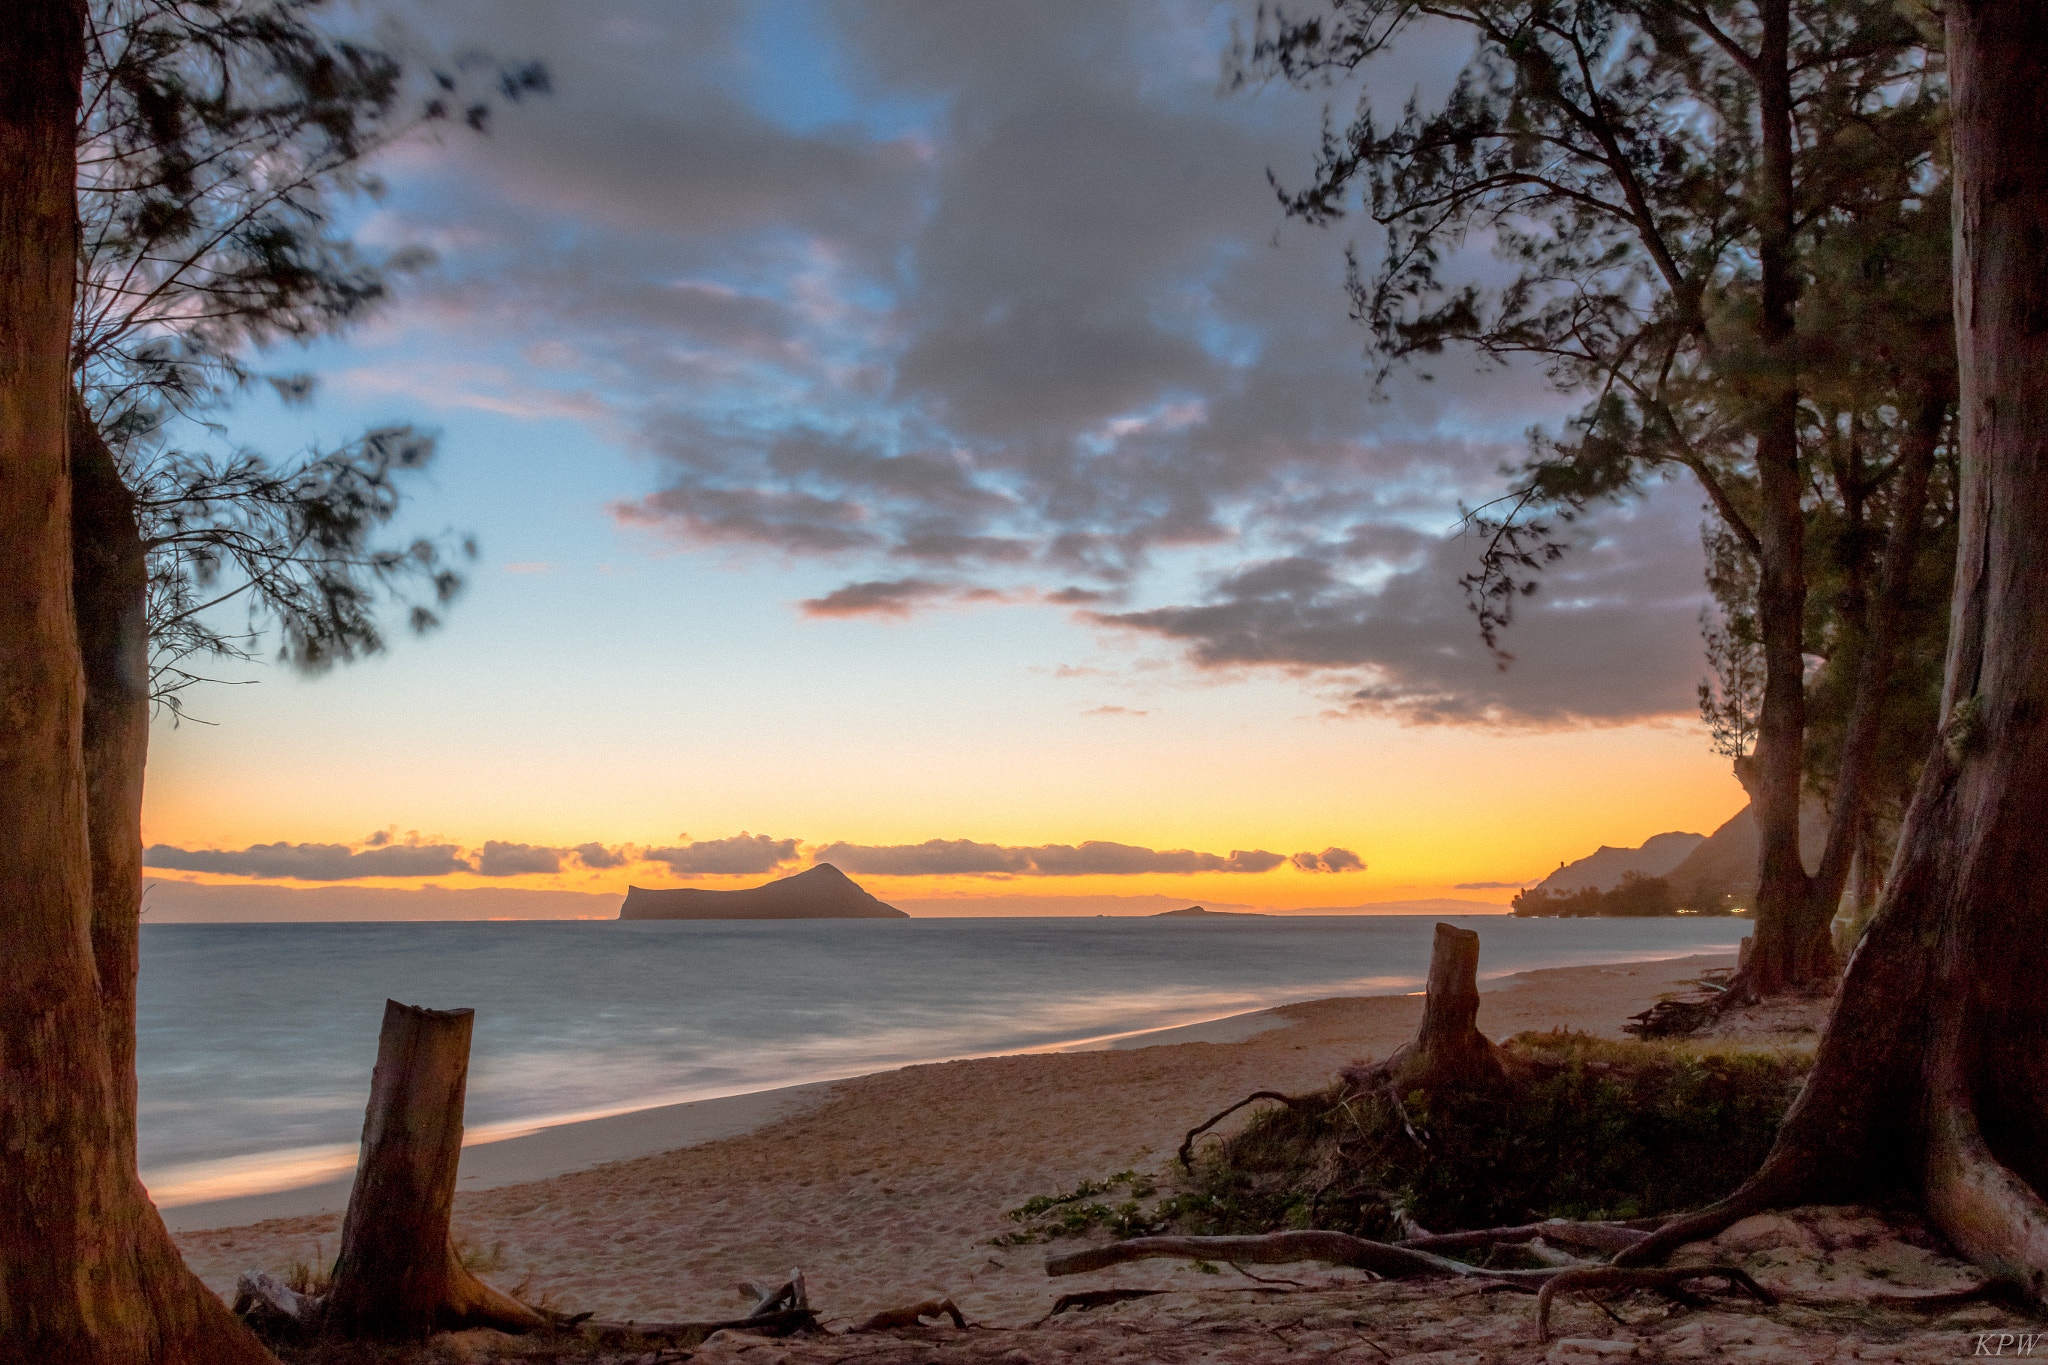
x=1591 y=1236
x=1186 y=1153
x=1991 y=1215
x=1613 y=1277
x=1280 y=1248
x=1770 y=1188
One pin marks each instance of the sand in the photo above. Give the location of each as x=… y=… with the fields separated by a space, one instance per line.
x=888 y=1187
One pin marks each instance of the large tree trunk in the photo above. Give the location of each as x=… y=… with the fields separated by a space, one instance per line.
x=1933 y=1071
x=88 y=1275
x=398 y=1275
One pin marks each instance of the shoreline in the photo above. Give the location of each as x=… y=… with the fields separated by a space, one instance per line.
x=553 y=1149
x=893 y=1186
x=515 y=1152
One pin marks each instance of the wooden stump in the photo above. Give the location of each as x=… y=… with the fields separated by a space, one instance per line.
x=398 y=1276
x=1449 y=1051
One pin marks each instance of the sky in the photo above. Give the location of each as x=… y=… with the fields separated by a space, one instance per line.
x=911 y=436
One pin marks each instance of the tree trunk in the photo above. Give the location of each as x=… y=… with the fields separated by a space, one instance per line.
x=398 y=1276
x=88 y=1275
x=1849 y=818
x=1782 y=955
x=1933 y=1072
x=1449 y=1051
x=110 y=594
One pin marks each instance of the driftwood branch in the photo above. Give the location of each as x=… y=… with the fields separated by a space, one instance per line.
x=780 y=1323
x=777 y=1313
x=1094 y=1298
x=272 y=1307
x=1281 y=1248
x=1619 y=1277
x=913 y=1316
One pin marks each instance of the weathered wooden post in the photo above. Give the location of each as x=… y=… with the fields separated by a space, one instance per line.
x=398 y=1276
x=1449 y=1051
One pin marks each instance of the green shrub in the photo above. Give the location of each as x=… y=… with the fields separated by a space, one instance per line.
x=1581 y=1128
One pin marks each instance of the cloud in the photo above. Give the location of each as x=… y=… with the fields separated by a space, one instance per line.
x=598 y=857
x=987 y=303
x=1611 y=635
x=1489 y=886
x=742 y=855
x=881 y=598
x=311 y=862
x=965 y=857
x=1329 y=860
x=513 y=860
x=1114 y=711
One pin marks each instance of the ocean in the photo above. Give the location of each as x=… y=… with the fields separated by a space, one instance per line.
x=256 y=1040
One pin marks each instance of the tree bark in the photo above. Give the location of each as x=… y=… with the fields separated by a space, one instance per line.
x=1932 y=1074
x=110 y=595
x=398 y=1276
x=1449 y=1051
x=88 y=1276
x=1849 y=816
x=1780 y=957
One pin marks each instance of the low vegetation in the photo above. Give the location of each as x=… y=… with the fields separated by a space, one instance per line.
x=1580 y=1128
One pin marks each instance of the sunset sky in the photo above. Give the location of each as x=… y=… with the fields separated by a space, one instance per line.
x=897 y=423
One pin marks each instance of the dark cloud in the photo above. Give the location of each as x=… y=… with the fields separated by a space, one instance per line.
x=742 y=855
x=891 y=597
x=597 y=857
x=965 y=857
x=998 y=295
x=1612 y=635
x=512 y=860
x=311 y=862
x=1329 y=860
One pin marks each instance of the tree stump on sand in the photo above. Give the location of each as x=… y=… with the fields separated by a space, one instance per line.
x=398 y=1276
x=1448 y=1052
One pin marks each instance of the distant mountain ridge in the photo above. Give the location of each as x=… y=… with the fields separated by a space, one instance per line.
x=823 y=892
x=1603 y=869
x=1726 y=863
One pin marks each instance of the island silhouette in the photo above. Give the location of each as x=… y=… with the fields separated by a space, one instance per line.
x=823 y=892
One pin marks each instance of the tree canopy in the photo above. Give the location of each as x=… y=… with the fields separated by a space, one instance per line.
x=218 y=145
x=1725 y=226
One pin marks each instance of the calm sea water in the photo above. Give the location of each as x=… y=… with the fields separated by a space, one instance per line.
x=256 y=1040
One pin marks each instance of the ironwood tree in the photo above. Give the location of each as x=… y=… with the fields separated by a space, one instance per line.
x=87 y=1271
x=1932 y=1074
x=1718 y=218
x=203 y=144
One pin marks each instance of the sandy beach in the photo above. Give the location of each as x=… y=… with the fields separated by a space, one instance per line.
x=887 y=1187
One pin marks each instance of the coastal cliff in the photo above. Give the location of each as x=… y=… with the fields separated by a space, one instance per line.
x=824 y=892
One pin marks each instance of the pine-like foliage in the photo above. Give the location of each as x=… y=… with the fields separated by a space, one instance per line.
x=218 y=139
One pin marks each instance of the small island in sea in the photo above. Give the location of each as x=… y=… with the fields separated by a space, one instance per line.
x=823 y=892
x=1197 y=912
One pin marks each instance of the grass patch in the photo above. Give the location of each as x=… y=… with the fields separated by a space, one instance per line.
x=1582 y=1128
